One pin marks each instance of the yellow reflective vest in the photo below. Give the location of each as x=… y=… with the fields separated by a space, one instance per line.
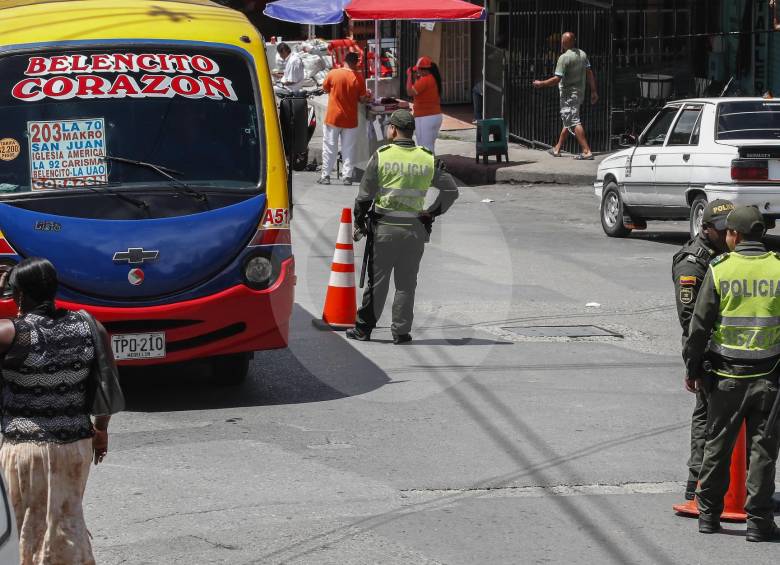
x=405 y=175
x=748 y=324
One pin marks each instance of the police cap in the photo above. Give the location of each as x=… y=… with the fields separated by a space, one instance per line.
x=746 y=220
x=715 y=213
x=402 y=119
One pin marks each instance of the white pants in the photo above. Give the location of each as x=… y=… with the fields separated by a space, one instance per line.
x=426 y=130
x=330 y=143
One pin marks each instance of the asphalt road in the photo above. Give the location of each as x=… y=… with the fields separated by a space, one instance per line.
x=486 y=440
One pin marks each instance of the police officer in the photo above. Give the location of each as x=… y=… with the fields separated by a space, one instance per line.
x=689 y=266
x=734 y=343
x=396 y=181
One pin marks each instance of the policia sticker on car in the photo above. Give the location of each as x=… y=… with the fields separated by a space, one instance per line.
x=67 y=153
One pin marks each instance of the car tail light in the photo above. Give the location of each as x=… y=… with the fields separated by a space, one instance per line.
x=749 y=169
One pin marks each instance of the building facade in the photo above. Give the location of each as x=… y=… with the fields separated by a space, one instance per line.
x=643 y=52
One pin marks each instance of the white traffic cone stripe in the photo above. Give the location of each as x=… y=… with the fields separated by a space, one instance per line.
x=345 y=234
x=344 y=256
x=342 y=280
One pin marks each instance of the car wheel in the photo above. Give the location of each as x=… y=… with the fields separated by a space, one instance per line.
x=697 y=211
x=612 y=212
x=230 y=370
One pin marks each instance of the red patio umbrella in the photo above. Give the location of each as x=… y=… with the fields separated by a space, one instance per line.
x=418 y=10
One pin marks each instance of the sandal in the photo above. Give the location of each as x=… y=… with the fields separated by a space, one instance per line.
x=582 y=157
x=552 y=152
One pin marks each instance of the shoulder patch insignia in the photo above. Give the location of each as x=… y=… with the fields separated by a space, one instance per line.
x=719 y=259
x=692 y=259
x=686 y=295
x=687 y=281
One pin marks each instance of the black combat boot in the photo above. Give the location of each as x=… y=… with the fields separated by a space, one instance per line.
x=708 y=526
x=358 y=334
x=402 y=338
x=759 y=535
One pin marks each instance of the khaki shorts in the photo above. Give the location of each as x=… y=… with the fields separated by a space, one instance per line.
x=570 y=111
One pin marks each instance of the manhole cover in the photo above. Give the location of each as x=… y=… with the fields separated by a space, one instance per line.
x=560 y=331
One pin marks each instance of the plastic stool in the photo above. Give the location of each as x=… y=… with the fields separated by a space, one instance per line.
x=491 y=139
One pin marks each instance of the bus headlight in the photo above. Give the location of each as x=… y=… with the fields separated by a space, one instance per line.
x=258 y=271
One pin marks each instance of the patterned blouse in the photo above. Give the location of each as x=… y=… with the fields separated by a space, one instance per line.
x=44 y=379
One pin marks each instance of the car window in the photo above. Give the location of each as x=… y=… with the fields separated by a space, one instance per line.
x=749 y=119
x=683 y=130
x=656 y=133
x=696 y=130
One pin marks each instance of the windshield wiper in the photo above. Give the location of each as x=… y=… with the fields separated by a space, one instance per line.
x=163 y=171
x=142 y=204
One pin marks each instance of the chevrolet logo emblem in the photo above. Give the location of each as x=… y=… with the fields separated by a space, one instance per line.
x=136 y=256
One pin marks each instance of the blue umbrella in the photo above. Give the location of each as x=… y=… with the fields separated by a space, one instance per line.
x=312 y=12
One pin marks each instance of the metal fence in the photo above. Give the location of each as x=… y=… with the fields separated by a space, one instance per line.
x=533 y=46
x=409 y=41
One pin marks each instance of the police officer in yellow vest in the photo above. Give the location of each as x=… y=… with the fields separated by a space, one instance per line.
x=396 y=181
x=733 y=352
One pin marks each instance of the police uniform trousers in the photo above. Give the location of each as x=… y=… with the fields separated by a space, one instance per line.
x=698 y=435
x=731 y=402
x=397 y=252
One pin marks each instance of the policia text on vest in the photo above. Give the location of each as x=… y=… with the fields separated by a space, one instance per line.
x=747 y=288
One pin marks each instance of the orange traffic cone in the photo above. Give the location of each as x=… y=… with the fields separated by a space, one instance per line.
x=734 y=501
x=341 y=301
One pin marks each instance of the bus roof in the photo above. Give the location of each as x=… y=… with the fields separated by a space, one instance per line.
x=43 y=21
x=10 y=4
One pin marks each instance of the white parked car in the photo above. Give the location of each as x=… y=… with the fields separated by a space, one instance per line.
x=692 y=152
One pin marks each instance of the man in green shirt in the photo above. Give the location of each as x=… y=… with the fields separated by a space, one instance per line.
x=571 y=73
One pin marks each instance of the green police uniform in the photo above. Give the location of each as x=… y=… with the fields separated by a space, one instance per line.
x=736 y=328
x=689 y=266
x=396 y=181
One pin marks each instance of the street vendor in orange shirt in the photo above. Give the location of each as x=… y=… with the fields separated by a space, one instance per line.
x=426 y=91
x=346 y=88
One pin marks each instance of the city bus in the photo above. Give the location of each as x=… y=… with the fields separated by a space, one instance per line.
x=140 y=151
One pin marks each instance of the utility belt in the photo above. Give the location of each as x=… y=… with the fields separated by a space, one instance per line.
x=717 y=367
x=411 y=220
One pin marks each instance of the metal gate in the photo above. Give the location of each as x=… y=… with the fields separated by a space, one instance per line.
x=455 y=63
x=409 y=42
x=535 y=29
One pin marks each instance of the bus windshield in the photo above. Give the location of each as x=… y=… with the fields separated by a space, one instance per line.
x=749 y=119
x=66 y=113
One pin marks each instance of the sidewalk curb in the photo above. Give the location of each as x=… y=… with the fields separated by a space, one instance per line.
x=535 y=169
x=475 y=174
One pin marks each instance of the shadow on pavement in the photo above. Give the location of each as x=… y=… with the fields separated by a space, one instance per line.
x=316 y=367
x=471 y=173
x=457 y=342
x=680 y=238
x=677 y=239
